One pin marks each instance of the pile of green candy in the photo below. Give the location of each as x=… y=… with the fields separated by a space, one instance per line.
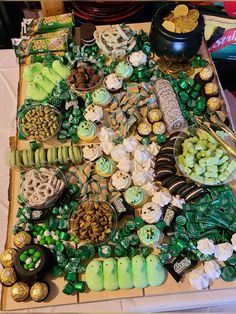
x=30 y=259
x=188 y=92
x=212 y=217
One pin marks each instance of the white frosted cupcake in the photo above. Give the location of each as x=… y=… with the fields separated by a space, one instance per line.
x=151 y=212
x=92 y=152
x=93 y=113
x=137 y=58
x=113 y=82
x=121 y=180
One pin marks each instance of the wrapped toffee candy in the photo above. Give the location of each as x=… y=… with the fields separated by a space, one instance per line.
x=39 y=291
x=20 y=291
x=179 y=265
x=21 y=239
x=8 y=276
x=7 y=257
x=170 y=214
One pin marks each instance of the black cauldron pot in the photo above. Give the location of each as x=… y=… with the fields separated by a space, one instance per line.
x=175 y=46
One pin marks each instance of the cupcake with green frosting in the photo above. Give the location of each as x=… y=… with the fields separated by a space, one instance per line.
x=135 y=196
x=87 y=131
x=150 y=235
x=124 y=69
x=105 y=167
x=101 y=97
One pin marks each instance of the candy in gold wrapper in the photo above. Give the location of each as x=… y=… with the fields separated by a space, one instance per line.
x=154 y=115
x=39 y=291
x=20 y=291
x=213 y=103
x=7 y=257
x=21 y=239
x=8 y=276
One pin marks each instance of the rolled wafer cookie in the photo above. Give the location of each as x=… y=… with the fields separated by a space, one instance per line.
x=172 y=115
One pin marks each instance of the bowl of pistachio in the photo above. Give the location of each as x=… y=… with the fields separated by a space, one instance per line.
x=94 y=222
x=39 y=122
x=201 y=158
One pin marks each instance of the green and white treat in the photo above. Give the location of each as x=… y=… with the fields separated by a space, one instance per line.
x=204 y=160
x=30 y=259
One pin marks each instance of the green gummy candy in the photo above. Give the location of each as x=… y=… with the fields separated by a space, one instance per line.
x=221 y=134
x=232 y=166
x=223 y=167
x=139 y=270
x=61 y=69
x=222 y=160
x=94 y=275
x=198 y=169
x=155 y=271
x=124 y=270
x=44 y=83
x=50 y=74
x=35 y=92
x=210 y=174
x=31 y=70
x=185 y=169
x=210 y=161
x=212 y=168
x=110 y=274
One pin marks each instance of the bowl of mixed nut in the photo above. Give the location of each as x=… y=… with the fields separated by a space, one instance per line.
x=39 y=122
x=94 y=222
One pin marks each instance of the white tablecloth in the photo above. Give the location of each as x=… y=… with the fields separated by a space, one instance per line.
x=209 y=299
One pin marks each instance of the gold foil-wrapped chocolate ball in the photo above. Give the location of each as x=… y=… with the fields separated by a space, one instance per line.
x=213 y=104
x=21 y=239
x=39 y=291
x=144 y=128
x=159 y=128
x=154 y=115
x=7 y=257
x=8 y=276
x=20 y=291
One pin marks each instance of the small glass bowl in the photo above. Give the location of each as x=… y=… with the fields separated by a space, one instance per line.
x=31 y=137
x=87 y=62
x=90 y=241
x=54 y=198
x=193 y=131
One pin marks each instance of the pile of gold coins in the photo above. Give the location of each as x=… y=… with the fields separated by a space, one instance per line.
x=181 y=19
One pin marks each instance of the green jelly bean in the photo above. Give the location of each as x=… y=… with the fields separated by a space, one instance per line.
x=37 y=253
x=23 y=257
x=32 y=251
x=32 y=265
x=25 y=266
x=42 y=242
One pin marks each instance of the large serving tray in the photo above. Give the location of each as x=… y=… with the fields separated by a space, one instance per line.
x=56 y=296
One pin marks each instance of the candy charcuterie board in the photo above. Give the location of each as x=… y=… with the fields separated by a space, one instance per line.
x=56 y=283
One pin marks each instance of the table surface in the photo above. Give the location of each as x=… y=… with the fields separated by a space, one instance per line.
x=207 y=299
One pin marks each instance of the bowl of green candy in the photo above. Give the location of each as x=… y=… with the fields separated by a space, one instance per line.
x=203 y=159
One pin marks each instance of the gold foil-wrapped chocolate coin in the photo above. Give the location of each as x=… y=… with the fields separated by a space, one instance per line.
x=154 y=115
x=39 y=291
x=8 y=276
x=159 y=128
x=21 y=239
x=20 y=291
x=7 y=257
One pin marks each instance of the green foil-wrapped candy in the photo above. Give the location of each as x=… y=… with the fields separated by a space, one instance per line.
x=120 y=251
x=130 y=224
x=139 y=222
x=104 y=250
x=228 y=273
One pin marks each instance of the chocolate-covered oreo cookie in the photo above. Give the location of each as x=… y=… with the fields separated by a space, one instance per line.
x=173 y=136
x=168 y=181
x=165 y=159
x=86 y=33
x=163 y=172
x=168 y=149
x=188 y=189
x=194 y=194
x=173 y=188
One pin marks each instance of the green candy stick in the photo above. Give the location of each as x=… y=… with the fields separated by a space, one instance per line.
x=124 y=269
x=94 y=275
x=61 y=69
x=50 y=74
x=35 y=92
x=139 y=271
x=155 y=271
x=44 y=83
x=110 y=274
